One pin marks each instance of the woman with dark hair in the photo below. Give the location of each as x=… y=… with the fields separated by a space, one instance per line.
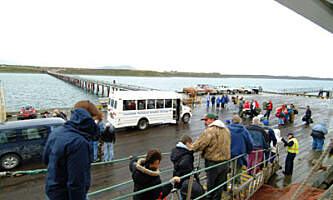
x=146 y=173
x=68 y=154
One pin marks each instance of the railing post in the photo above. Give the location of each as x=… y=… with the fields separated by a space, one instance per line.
x=234 y=172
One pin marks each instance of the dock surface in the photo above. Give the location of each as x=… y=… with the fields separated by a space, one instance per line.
x=134 y=142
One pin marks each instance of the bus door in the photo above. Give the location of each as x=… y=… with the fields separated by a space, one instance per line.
x=176 y=109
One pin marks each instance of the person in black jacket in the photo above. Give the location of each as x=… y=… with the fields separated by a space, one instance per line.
x=307 y=117
x=108 y=136
x=182 y=158
x=146 y=173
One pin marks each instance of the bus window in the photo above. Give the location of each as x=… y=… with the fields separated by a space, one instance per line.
x=151 y=103
x=8 y=136
x=159 y=103
x=34 y=133
x=129 y=105
x=141 y=104
x=168 y=103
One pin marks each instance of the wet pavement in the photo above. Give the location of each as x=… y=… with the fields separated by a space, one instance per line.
x=134 y=142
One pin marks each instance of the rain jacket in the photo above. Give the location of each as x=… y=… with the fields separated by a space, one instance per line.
x=258 y=134
x=68 y=156
x=241 y=143
x=214 y=142
x=182 y=159
x=319 y=131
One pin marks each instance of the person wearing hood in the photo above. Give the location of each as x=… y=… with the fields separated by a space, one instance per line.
x=241 y=143
x=215 y=143
x=270 y=139
x=260 y=139
x=182 y=158
x=318 y=135
x=146 y=173
x=68 y=155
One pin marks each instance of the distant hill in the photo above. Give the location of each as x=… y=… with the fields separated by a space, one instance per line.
x=115 y=67
x=134 y=72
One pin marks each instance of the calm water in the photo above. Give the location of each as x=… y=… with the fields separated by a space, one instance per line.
x=44 y=91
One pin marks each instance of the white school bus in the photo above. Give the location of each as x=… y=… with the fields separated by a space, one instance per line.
x=142 y=108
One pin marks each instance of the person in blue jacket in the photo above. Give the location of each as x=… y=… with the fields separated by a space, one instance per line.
x=208 y=100
x=318 y=135
x=241 y=143
x=218 y=101
x=68 y=155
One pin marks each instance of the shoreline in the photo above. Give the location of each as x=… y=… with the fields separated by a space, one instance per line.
x=143 y=73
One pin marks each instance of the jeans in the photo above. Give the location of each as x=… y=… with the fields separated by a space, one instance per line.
x=108 y=151
x=215 y=177
x=317 y=144
x=95 y=145
x=289 y=166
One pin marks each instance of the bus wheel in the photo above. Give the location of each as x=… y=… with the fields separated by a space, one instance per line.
x=143 y=124
x=10 y=161
x=186 y=118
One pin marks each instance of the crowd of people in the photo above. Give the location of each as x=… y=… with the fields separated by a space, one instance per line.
x=286 y=114
x=219 y=101
x=218 y=143
x=68 y=153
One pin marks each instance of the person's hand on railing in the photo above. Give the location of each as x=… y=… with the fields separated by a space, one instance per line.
x=175 y=179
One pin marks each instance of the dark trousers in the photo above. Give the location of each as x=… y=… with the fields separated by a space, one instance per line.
x=289 y=163
x=215 y=177
x=268 y=112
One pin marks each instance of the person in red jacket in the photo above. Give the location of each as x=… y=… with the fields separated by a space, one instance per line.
x=269 y=109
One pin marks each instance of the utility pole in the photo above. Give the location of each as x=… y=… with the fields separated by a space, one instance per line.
x=2 y=104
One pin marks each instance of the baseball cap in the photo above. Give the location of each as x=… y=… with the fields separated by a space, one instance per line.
x=290 y=134
x=210 y=116
x=265 y=122
x=227 y=121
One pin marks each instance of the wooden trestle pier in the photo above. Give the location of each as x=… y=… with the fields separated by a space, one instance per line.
x=101 y=88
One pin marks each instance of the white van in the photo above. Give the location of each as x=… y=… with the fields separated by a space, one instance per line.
x=141 y=108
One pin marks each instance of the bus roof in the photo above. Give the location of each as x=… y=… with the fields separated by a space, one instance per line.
x=31 y=122
x=129 y=95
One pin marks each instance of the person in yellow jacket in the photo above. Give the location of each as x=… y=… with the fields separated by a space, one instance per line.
x=292 y=148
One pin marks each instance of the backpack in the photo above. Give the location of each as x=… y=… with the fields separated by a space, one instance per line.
x=108 y=135
x=197 y=189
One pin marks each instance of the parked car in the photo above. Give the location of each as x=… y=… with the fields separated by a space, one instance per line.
x=27 y=112
x=24 y=140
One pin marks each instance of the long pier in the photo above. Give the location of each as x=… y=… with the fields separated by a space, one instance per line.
x=97 y=87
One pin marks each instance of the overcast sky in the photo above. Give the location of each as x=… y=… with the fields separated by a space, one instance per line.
x=229 y=37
